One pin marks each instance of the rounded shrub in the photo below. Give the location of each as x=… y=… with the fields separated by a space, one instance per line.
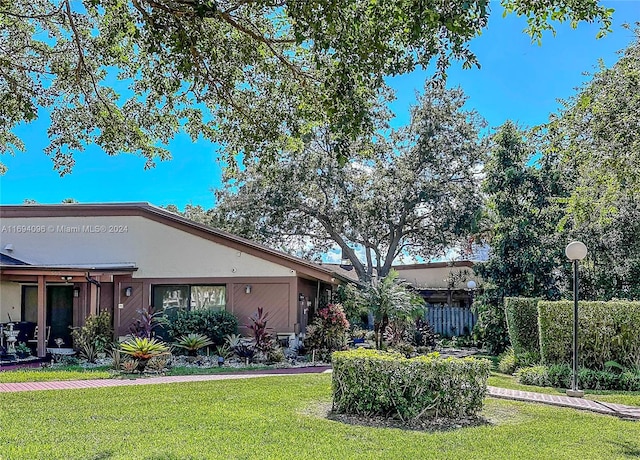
x=534 y=375
x=371 y=382
x=507 y=363
x=215 y=324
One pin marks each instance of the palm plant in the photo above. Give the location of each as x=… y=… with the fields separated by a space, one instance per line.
x=193 y=342
x=143 y=349
x=391 y=300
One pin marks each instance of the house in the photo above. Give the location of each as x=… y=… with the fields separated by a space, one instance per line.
x=448 y=289
x=61 y=263
x=445 y=289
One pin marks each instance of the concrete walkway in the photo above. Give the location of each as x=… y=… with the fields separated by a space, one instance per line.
x=618 y=410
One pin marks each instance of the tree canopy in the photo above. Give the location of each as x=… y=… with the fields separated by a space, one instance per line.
x=413 y=192
x=127 y=75
x=595 y=138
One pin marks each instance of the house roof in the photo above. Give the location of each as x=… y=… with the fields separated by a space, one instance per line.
x=6 y=259
x=157 y=214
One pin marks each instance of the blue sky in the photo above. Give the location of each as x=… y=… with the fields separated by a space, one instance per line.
x=518 y=80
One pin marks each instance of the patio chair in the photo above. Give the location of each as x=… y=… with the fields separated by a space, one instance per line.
x=34 y=340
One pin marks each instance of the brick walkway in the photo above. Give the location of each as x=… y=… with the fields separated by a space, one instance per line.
x=618 y=410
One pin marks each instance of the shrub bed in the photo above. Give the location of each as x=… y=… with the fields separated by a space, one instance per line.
x=211 y=323
x=370 y=382
x=522 y=322
x=607 y=332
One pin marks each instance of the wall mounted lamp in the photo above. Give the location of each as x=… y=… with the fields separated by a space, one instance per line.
x=8 y=247
x=66 y=279
x=247 y=289
x=128 y=291
x=76 y=292
x=301 y=297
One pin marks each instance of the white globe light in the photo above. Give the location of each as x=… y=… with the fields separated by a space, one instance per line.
x=576 y=250
x=471 y=284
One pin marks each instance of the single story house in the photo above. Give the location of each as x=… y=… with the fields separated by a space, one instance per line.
x=61 y=263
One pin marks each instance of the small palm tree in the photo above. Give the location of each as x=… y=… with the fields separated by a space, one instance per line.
x=193 y=342
x=143 y=349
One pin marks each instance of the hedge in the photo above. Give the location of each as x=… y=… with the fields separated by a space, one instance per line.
x=370 y=382
x=215 y=324
x=607 y=331
x=522 y=322
x=559 y=376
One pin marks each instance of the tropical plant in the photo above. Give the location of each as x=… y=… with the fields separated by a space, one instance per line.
x=143 y=349
x=22 y=349
x=89 y=351
x=193 y=342
x=328 y=331
x=95 y=336
x=262 y=338
x=148 y=323
x=391 y=299
x=244 y=348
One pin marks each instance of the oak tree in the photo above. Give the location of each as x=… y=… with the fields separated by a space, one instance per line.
x=127 y=75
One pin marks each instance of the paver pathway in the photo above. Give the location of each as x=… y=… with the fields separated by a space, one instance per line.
x=618 y=410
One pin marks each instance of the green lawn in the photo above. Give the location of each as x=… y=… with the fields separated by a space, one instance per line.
x=280 y=418
x=47 y=374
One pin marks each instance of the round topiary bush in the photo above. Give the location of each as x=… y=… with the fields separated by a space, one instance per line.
x=371 y=382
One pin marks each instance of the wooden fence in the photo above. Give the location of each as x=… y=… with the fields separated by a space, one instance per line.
x=450 y=321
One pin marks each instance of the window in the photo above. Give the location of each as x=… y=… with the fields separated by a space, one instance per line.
x=170 y=298
x=208 y=297
x=192 y=297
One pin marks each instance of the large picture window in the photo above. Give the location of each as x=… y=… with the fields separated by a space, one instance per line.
x=208 y=297
x=192 y=297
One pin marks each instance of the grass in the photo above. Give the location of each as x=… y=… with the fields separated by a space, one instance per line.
x=280 y=417
x=183 y=370
x=48 y=374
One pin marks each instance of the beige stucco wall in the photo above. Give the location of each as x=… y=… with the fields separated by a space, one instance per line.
x=10 y=301
x=437 y=277
x=158 y=250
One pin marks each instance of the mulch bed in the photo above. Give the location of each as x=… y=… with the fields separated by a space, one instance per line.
x=432 y=425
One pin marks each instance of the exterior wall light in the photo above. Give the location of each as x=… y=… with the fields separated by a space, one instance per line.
x=76 y=292
x=128 y=291
x=247 y=289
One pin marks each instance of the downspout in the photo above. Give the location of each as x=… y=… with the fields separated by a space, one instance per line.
x=98 y=286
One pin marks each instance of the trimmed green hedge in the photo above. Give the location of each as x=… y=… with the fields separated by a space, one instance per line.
x=559 y=376
x=370 y=382
x=522 y=322
x=608 y=331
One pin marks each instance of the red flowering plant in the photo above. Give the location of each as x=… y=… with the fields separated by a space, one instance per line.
x=328 y=331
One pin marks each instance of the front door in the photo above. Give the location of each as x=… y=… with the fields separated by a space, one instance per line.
x=60 y=314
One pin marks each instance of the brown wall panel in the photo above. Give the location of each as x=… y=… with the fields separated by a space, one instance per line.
x=273 y=298
x=131 y=306
x=106 y=298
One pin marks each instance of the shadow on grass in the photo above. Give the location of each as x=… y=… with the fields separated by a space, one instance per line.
x=627 y=449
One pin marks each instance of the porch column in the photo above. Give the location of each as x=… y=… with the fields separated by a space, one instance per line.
x=42 y=318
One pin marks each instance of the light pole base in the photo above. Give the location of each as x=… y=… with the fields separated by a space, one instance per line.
x=575 y=393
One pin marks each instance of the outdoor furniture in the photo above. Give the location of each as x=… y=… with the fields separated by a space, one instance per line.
x=34 y=340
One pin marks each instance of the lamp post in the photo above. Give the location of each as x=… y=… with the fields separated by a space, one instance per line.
x=575 y=251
